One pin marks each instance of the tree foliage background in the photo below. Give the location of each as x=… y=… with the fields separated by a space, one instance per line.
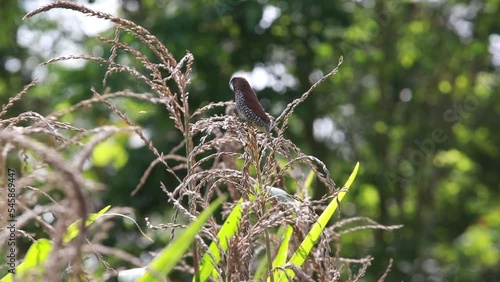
x=416 y=102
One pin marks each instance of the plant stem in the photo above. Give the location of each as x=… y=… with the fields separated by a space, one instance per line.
x=262 y=197
x=189 y=148
x=269 y=257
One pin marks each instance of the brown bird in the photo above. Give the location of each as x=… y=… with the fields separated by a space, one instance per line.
x=248 y=105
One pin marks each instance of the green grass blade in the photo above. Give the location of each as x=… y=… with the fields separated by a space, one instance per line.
x=228 y=229
x=262 y=268
x=306 y=246
x=39 y=251
x=281 y=256
x=34 y=261
x=74 y=229
x=170 y=256
x=308 y=183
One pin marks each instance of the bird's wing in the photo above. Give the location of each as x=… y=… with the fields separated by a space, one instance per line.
x=256 y=106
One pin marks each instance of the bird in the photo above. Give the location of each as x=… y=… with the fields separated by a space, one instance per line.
x=248 y=105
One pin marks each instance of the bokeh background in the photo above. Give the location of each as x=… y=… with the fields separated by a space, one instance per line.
x=416 y=102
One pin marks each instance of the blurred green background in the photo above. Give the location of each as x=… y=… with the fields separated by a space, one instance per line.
x=416 y=102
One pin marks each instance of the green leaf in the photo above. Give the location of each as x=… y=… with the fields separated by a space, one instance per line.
x=309 y=179
x=32 y=266
x=306 y=246
x=168 y=258
x=281 y=256
x=110 y=152
x=228 y=229
x=40 y=250
x=74 y=229
x=263 y=266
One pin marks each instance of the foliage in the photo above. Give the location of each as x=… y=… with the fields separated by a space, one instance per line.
x=165 y=262
x=33 y=266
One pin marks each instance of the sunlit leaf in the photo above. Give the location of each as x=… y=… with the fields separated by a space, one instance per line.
x=39 y=251
x=74 y=229
x=312 y=237
x=32 y=266
x=168 y=258
x=228 y=229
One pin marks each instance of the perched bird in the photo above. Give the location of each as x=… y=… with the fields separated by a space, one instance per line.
x=248 y=105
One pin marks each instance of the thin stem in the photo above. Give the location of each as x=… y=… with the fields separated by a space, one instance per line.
x=262 y=193
x=189 y=148
x=269 y=257
x=192 y=205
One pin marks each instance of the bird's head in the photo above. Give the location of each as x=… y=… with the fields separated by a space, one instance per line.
x=238 y=83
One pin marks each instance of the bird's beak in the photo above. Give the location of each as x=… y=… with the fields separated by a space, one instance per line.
x=231 y=85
